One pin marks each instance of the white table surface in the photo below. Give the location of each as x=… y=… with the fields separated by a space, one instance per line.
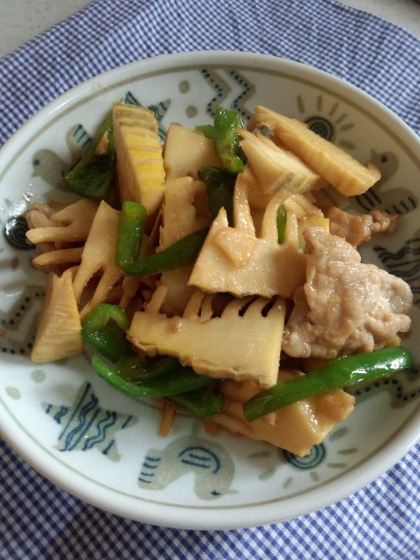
x=23 y=19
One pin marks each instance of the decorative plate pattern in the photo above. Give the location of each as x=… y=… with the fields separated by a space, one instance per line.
x=102 y=445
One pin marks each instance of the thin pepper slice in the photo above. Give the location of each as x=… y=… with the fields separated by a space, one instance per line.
x=109 y=124
x=207 y=130
x=104 y=329
x=281 y=223
x=226 y=139
x=130 y=234
x=181 y=253
x=340 y=373
x=220 y=188
x=201 y=403
x=93 y=175
x=179 y=380
x=136 y=370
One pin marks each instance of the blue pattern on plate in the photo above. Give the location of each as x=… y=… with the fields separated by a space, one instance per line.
x=85 y=425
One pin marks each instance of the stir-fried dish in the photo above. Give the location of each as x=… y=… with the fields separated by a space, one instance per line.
x=205 y=273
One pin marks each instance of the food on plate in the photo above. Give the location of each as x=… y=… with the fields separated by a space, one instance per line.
x=345 y=306
x=204 y=272
x=141 y=175
x=241 y=343
x=57 y=338
x=335 y=165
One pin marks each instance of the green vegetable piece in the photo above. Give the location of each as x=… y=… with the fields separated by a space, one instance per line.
x=181 y=253
x=200 y=403
x=109 y=123
x=100 y=316
x=179 y=380
x=281 y=223
x=130 y=234
x=220 y=189
x=136 y=370
x=226 y=139
x=104 y=329
x=207 y=130
x=93 y=175
x=340 y=373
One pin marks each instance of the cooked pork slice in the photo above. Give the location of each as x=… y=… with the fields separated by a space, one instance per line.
x=345 y=306
x=357 y=229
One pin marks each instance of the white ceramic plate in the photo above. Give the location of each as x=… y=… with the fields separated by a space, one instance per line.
x=103 y=447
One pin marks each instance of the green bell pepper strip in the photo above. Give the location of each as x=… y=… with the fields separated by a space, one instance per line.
x=281 y=223
x=93 y=175
x=207 y=130
x=138 y=371
x=220 y=188
x=109 y=123
x=104 y=329
x=179 y=380
x=130 y=234
x=340 y=373
x=201 y=403
x=226 y=139
x=100 y=315
x=181 y=253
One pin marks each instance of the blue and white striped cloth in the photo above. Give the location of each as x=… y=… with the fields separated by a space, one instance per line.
x=40 y=521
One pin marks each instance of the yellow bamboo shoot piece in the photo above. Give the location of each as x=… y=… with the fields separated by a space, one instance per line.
x=186 y=151
x=68 y=225
x=98 y=257
x=59 y=333
x=296 y=428
x=180 y=218
x=276 y=168
x=58 y=257
x=242 y=343
x=334 y=164
x=140 y=171
x=235 y=260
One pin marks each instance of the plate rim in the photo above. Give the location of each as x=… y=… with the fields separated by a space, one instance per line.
x=169 y=516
